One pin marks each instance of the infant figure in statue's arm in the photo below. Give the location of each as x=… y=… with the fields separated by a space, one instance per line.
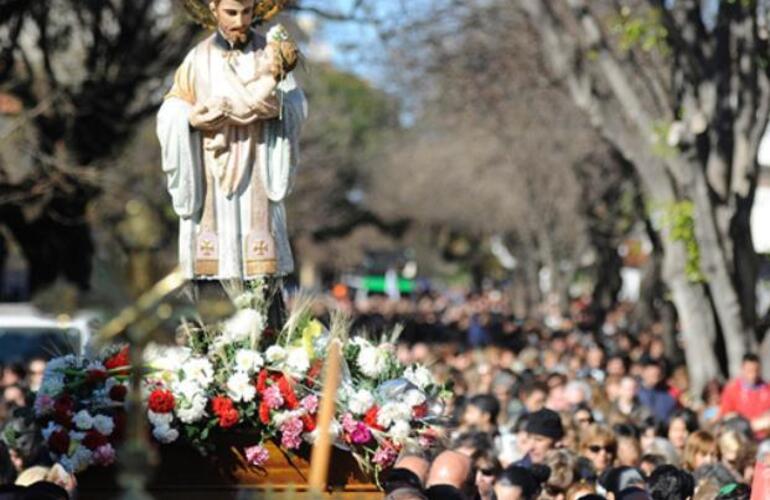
x=279 y=57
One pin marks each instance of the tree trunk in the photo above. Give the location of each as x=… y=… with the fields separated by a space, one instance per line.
x=696 y=317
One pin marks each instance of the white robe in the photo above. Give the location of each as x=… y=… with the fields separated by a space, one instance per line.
x=267 y=146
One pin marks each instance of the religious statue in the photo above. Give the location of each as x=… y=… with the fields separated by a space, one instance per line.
x=229 y=131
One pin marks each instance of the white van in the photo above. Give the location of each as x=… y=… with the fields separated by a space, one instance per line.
x=26 y=332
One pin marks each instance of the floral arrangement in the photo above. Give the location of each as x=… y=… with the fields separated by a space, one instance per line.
x=240 y=375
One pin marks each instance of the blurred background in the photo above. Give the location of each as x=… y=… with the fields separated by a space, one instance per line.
x=569 y=161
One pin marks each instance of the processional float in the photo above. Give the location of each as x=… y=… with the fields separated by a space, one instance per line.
x=266 y=400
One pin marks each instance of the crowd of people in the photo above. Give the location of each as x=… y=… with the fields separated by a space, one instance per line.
x=565 y=409
x=554 y=408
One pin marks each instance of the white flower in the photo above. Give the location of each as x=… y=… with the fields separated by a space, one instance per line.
x=50 y=429
x=400 y=431
x=280 y=417
x=360 y=401
x=53 y=383
x=335 y=429
x=104 y=424
x=165 y=434
x=81 y=459
x=83 y=420
x=61 y=363
x=199 y=370
x=393 y=411
x=77 y=436
x=247 y=360
x=159 y=419
x=243 y=325
x=95 y=365
x=193 y=409
x=419 y=376
x=66 y=462
x=240 y=387
x=244 y=300
x=360 y=342
x=372 y=361
x=297 y=361
x=277 y=33
x=168 y=360
x=275 y=354
x=187 y=389
x=414 y=398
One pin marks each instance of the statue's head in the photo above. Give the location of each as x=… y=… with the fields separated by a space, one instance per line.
x=233 y=18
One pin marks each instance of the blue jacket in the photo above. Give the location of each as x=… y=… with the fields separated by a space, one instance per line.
x=659 y=402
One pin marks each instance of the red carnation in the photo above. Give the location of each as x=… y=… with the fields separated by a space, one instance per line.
x=289 y=398
x=229 y=418
x=309 y=423
x=264 y=413
x=262 y=381
x=420 y=411
x=221 y=404
x=94 y=439
x=370 y=418
x=118 y=360
x=161 y=401
x=118 y=392
x=315 y=370
x=62 y=408
x=95 y=376
x=59 y=441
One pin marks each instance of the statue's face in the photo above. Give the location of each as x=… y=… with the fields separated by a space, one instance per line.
x=234 y=18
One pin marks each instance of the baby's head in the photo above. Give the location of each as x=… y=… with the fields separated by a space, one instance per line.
x=282 y=52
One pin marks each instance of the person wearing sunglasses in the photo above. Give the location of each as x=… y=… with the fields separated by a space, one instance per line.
x=599 y=445
x=487 y=468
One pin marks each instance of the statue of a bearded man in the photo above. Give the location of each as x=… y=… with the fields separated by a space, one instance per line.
x=229 y=131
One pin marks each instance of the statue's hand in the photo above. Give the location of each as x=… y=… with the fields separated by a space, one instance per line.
x=204 y=118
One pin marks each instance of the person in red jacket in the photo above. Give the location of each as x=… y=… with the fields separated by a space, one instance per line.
x=748 y=396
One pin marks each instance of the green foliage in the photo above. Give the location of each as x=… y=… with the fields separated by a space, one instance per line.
x=643 y=31
x=348 y=116
x=679 y=221
x=660 y=145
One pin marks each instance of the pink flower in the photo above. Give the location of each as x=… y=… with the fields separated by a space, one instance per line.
x=385 y=455
x=426 y=440
x=43 y=404
x=257 y=455
x=310 y=403
x=349 y=424
x=291 y=431
x=361 y=434
x=104 y=455
x=272 y=397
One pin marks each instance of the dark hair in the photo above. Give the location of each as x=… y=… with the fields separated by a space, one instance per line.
x=521 y=477
x=668 y=481
x=400 y=477
x=654 y=459
x=474 y=439
x=7 y=470
x=688 y=416
x=717 y=472
x=750 y=358
x=488 y=404
x=45 y=490
x=626 y=430
x=530 y=387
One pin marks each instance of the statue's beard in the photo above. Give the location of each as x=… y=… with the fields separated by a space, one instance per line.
x=235 y=37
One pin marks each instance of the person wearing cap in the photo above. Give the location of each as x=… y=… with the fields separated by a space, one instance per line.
x=545 y=432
